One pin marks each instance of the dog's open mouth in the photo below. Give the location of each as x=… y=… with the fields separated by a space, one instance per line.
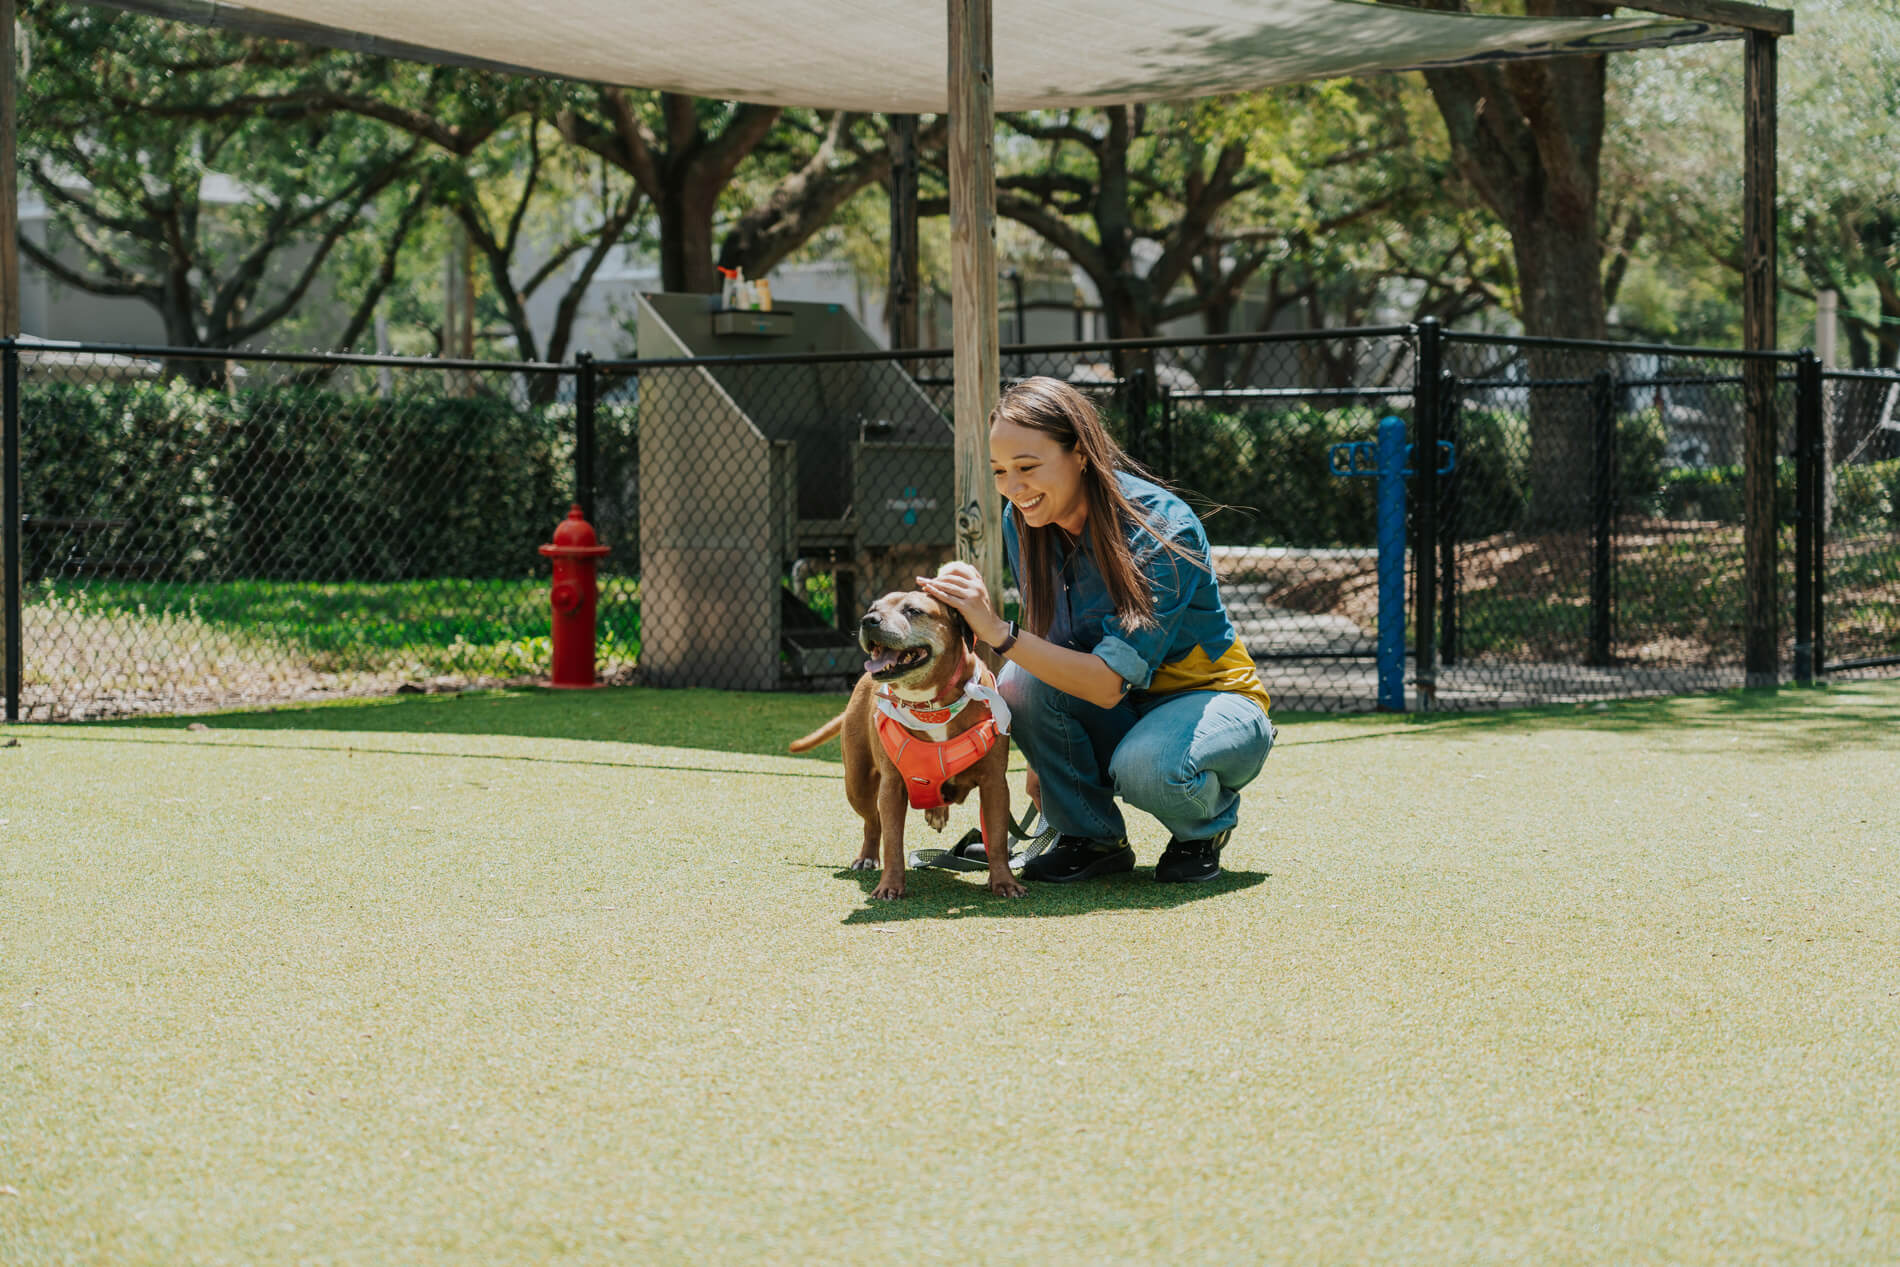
x=890 y=662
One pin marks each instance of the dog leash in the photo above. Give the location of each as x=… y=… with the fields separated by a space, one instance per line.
x=1033 y=829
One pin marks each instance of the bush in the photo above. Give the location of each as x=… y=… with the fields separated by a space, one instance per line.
x=1867 y=497
x=1715 y=493
x=1268 y=468
x=179 y=483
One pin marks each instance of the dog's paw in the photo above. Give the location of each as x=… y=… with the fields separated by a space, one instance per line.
x=1007 y=886
x=938 y=818
x=888 y=891
x=864 y=864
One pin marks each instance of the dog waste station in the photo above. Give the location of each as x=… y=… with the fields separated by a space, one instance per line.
x=751 y=473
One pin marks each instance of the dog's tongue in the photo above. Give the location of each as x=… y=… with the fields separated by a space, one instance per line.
x=880 y=662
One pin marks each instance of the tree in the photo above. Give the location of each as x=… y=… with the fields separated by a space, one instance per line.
x=1839 y=196
x=1129 y=193
x=1528 y=137
x=684 y=153
x=1361 y=217
x=126 y=122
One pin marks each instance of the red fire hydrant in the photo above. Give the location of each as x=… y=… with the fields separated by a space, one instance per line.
x=573 y=596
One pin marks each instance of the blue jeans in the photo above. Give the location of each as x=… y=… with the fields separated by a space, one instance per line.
x=1182 y=757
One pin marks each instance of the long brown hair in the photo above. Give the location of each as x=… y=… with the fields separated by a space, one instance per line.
x=1054 y=408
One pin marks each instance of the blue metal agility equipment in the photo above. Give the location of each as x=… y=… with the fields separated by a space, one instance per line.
x=1385 y=459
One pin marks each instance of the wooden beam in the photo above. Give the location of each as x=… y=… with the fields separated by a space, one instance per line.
x=1761 y=642
x=1750 y=17
x=972 y=169
x=12 y=642
x=901 y=303
x=9 y=181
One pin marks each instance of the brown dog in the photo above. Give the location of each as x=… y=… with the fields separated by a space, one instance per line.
x=922 y=654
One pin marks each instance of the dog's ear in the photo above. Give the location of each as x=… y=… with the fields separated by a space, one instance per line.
x=965 y=634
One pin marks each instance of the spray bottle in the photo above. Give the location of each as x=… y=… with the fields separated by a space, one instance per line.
x=735 y=294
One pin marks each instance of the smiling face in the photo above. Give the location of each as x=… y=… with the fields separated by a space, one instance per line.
x=909 y=636
x=1041 y=479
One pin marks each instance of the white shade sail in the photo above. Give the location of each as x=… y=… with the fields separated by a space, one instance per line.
x=889 y=55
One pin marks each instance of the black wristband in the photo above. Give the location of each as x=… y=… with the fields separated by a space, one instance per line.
x=1002 y=648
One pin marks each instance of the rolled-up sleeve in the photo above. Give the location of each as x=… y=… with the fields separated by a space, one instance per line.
x=1135 y=654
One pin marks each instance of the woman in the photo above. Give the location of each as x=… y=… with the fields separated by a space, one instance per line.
x=1124 y=678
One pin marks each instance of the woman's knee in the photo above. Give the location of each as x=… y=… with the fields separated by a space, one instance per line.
x=1031 y=699
x=1145 y=772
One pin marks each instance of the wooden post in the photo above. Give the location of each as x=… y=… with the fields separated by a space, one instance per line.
x=1761 y=647
x=9 y=181
x=973 y=284
x=12 y=642
x=901 y=305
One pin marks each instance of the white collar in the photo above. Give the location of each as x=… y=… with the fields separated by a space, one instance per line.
x=974 y=691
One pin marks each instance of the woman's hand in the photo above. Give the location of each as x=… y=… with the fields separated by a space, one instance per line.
x=961 y=586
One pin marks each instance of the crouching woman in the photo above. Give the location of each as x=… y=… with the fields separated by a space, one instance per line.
x=1125 y=678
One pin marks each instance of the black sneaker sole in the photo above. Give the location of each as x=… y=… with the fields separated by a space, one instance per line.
x=1188 y=879
x=1117 y=863
x=1220 y=843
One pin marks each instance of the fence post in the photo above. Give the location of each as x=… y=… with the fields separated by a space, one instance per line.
x=1135 y=393
x=1811 y=401
x=11 y=573
x=1452 y=399
x=1167 y=430
x=1603 y=506
x=1427 y=373
x=586 y=386
x=1803 y=530
x=1390 y=491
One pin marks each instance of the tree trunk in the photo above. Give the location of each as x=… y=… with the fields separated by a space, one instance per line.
x=1528 y=136
x=1560 y=276
x=686 y=234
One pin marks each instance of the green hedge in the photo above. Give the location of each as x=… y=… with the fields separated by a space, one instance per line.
x=1866 y=497
x=1271 y=464
x=181 y=483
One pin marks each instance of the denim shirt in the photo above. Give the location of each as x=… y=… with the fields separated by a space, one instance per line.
x=1192 y=644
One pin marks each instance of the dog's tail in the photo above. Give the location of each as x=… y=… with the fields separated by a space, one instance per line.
x=827 y=731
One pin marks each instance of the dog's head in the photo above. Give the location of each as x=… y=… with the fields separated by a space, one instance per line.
x=913 y=640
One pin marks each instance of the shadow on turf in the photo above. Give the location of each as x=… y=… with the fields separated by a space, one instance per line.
x=931 y=894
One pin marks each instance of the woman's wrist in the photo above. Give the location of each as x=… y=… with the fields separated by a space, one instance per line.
x=1003 y=637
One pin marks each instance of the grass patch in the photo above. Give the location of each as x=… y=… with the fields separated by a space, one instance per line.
x=488 y=628
x=529 y=976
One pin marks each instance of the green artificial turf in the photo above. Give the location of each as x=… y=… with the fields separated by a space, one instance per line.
x=542 y=976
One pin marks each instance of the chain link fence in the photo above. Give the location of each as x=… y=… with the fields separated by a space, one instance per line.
x=1859 y=483
x=201 y=532
x=1591 y=536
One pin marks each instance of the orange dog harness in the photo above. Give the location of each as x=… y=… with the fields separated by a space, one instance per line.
x=927 y=765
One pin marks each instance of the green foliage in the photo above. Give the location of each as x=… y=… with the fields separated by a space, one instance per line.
x=168 y=482
x=165 y=182
x=1674 y=157
x=491 y=628
x=1866 y=497
x=1715 y=493
x=1266 y=471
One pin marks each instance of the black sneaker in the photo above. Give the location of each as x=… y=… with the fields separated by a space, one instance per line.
x=1190 y=861
x=1074 y=858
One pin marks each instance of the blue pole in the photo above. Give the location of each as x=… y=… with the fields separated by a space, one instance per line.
x=1391 y=470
